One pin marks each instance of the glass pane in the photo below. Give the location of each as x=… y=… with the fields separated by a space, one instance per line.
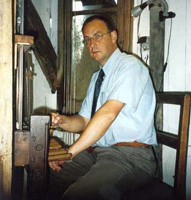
x=79 y=5
x=82 y=65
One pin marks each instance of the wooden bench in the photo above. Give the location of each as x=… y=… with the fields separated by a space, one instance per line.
x=158 y=190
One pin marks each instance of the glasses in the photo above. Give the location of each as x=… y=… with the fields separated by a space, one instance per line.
x=96 y=37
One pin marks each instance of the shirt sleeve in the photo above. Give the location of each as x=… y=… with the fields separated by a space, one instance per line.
x=129 y=85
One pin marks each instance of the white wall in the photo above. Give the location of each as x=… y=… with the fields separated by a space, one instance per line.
x=43 y=99
x=177 y=75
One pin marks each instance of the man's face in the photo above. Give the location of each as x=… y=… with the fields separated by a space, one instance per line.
x=100 y=50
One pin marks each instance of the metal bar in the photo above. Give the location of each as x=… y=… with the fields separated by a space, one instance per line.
x=19 y=87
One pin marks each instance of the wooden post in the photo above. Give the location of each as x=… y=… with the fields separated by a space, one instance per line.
x=6 y=97
x=156 y=67
x=125 y=24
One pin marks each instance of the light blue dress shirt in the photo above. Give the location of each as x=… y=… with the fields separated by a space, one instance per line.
x=126 y=80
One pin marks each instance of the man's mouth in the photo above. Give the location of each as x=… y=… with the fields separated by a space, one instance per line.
x=95 y=52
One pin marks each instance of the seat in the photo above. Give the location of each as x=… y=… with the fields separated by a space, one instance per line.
x=157 y=189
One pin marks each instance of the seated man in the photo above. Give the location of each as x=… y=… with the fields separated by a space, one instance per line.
x=113 y=154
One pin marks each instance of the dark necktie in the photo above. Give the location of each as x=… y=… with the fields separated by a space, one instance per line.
x=97 y=90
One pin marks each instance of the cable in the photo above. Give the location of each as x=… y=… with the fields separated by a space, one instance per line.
x=168 y=49
x=138 y=23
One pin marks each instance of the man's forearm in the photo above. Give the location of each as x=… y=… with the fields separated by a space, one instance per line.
x=97 y=127
x=74 y=123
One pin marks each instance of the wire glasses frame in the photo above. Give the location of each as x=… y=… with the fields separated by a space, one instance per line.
x=96 y=37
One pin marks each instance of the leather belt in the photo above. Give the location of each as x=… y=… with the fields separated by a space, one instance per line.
x=132 y=144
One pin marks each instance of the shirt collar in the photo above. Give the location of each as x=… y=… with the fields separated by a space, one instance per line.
x=109 y=64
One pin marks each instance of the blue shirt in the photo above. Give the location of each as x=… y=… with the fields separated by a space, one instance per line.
x=126 y=80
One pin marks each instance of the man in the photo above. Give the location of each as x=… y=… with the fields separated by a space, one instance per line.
x=121 y=130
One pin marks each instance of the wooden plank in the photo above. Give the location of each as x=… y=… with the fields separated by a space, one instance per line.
x=38 y=156
x=43 y=48
x=120 y=19
x=171 y=97
x=67 y=56
x=125 y=24
x=180 y=180
x=156 y=48
x=24 y=39
x=168 y=139
x=95 y=11
x=6 y=97
x=21 y=148
x=128 y=26
x=60 y=74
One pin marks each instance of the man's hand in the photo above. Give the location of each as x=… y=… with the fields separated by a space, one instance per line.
x=57 y=119
x=55 y=165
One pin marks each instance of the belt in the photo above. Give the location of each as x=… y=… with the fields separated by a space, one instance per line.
x=132 y=144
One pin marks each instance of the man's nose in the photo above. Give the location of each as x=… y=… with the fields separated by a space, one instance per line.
x=92 y=41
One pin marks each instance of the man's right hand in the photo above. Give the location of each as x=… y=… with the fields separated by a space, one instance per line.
x=55 y=165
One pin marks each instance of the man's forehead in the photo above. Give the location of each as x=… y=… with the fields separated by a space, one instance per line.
x=95 y=26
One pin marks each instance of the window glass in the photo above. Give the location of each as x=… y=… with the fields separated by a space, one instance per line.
x=92 y=4
x=83 y=66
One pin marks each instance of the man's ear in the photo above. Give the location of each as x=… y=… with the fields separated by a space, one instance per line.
x=114 y=36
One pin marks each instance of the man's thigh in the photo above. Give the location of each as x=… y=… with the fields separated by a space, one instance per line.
x=70 y=172
x=112 y=175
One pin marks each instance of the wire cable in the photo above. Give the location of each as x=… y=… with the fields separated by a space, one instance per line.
x=168 y=48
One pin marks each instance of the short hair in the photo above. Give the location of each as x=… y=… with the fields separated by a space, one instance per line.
x=108 y=21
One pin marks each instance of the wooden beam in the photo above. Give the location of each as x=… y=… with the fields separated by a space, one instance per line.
x=60 y=74
x=43 y=48
x=128 y=26
x=6 y=97
x=24 y=39
x=125 y=25
x=95 y=11
x=21 y=145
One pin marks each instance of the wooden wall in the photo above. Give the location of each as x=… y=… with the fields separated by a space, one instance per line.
x=6 y=97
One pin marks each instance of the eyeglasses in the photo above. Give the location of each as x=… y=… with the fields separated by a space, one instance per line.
x=96 y=37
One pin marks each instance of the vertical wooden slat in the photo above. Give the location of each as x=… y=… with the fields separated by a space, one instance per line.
x=180 y=180
x=156 y=48
x=60 y=74
x=6 y=98
x=120 y=17
x=125 y=24
x=128 y=26
x=67 y=55
x=156 y=60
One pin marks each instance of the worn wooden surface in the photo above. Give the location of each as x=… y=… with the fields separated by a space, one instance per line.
x=61 y=71
x=125 y=25
x=21 y=151
x=43 y=48
x=6 y=97
x=24 y=39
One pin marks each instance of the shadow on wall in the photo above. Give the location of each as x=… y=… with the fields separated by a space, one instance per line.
x=43 y=110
